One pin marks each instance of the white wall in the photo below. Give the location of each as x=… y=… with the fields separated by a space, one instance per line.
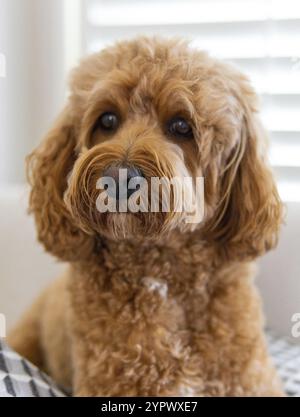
x=16 y=99
x=25 y=268
x=31 y=38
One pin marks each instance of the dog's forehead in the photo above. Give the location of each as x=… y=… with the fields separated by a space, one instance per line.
x=148 y=61
x=151 y=71
x=152 y=51
x=161 y=74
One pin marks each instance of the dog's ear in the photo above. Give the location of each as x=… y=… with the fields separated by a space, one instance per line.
x=248 y=219
x=48 y=167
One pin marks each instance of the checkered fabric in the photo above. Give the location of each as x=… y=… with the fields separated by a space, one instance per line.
x=19 y=378
x=286 y=357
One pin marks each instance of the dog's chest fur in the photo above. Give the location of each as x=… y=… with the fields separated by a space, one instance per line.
x=152 y=312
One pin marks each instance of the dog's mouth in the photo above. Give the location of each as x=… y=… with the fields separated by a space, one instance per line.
x=128 y=199
x=125 y=210
x=122 y=214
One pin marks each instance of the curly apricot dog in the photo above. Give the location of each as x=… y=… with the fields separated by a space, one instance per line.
x=151 y=304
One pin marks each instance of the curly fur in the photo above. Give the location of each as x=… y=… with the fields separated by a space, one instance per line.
x=149 y=304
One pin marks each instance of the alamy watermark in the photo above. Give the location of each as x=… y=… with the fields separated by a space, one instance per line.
x=2 y=66
x=2 y=325
x=177 y=195
x=296 y=326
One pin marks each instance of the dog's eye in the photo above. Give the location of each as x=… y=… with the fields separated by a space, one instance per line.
x=179 y=127
x=108 y=121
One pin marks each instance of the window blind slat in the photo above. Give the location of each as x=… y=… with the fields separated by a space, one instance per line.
x=285 y=155
x=226 y=49
x=288 y=182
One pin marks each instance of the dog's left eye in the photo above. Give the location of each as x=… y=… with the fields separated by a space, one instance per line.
x=108 y=121
x=179 y=127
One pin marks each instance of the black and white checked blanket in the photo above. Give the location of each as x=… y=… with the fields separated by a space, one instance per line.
x=286 y=357
x=19 y=378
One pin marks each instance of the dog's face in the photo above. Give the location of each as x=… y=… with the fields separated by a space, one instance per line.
x=148 y=112
x=154 y=109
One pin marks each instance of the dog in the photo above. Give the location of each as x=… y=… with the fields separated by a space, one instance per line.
x=151 y=304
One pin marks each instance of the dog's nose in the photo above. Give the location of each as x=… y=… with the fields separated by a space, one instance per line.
x=122 y=174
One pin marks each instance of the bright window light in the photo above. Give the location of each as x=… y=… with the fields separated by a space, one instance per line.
x=141 y=13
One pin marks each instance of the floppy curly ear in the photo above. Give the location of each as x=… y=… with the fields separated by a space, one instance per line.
x=250 y=214
x=47 y=169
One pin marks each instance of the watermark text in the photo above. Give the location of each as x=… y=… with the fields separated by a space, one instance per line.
x=2 y=325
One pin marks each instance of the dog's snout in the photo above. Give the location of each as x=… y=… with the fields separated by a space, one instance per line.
x=122 y=175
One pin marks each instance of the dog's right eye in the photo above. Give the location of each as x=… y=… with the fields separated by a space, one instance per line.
x=180 y=128
x=108 y=121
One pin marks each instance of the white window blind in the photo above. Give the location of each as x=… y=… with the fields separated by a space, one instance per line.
x=261 y=37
